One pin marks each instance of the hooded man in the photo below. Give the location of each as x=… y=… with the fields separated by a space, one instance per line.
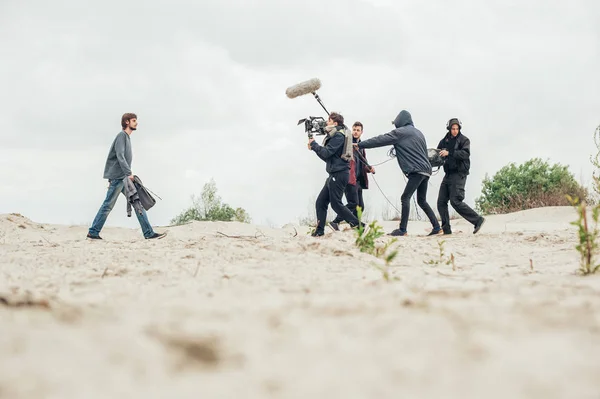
x=411 y=152
x=338 y=168
x=456 y=150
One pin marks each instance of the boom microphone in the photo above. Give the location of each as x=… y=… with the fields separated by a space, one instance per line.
x=310 y=86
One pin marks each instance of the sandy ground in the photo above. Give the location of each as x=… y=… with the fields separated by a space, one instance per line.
x=269 y=313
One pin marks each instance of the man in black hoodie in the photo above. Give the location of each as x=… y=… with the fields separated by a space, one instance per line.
x=339 y=173
x=456 y=149
x=411 y=153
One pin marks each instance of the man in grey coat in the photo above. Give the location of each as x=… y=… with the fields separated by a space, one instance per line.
x=411 y=153
x=116 y=170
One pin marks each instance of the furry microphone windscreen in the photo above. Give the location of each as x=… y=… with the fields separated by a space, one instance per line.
x=303 y=88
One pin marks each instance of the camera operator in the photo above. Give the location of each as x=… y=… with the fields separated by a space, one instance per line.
x=339 y=173
x=456 y=150
x=358 y=178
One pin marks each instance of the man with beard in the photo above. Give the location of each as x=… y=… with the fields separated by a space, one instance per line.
x=338 y=167
x=358 y=178
x=117 y=169
x=456 y=149
x=411 y=152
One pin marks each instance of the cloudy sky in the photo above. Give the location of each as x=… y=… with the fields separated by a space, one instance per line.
x=207 y=80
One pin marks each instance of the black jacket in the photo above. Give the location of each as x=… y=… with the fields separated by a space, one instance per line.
x=409 y=143
x=360 y=168
x=331 y=151
x=458 y=159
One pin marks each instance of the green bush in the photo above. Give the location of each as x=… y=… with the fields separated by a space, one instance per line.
x=533 y=184
x=210 y=207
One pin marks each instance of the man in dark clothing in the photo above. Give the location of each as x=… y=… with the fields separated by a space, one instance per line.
x=411 y=153
x=358 y=178
x=339 y=173
x=117 y=170
x=456 y=150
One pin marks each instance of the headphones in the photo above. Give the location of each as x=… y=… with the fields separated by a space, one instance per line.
x=452 y=122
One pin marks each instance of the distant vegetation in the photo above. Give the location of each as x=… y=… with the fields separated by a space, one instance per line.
x=533 y=184
x=209 y=207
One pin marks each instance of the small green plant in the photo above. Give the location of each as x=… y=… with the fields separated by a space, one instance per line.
x=365 y=238
x=442 y=255
x=596 y=159
x=365 y=241
x=587 y=235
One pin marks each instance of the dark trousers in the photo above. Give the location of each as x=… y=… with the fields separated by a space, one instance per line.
x=416 y=182
x=332 y=192
x=351 y=193
x=453 y=189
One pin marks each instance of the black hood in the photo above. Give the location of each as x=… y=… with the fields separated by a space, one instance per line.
x=403 y=119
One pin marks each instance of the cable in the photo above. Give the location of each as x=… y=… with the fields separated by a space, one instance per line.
x=392 y=154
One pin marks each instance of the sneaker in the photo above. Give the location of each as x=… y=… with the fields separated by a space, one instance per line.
x=398 y=233
x=317 y=234
x=334 y=225
x=436 y=232
x=156 y=235
x=479 y=224
x=93 y=237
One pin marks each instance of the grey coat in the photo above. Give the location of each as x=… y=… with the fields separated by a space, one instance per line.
x=133 y=199
x=146 y=199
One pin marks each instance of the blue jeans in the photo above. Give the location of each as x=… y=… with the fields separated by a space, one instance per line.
x=114 y=189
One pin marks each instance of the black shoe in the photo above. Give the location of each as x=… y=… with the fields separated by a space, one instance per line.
x=317 y=234
x=398 y=233
x=447 y=232
x=156 y=235
x=480 y=223
x=93 y=237
x=334 y=225
x=436 y=232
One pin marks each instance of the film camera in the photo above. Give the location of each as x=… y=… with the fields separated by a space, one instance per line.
x=314 y=125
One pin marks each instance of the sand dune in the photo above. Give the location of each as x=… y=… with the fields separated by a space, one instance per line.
x=230 y=310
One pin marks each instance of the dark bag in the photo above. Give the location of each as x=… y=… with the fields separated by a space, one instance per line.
x=434 y=157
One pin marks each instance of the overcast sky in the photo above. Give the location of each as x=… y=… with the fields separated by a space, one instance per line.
x=207 y=80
